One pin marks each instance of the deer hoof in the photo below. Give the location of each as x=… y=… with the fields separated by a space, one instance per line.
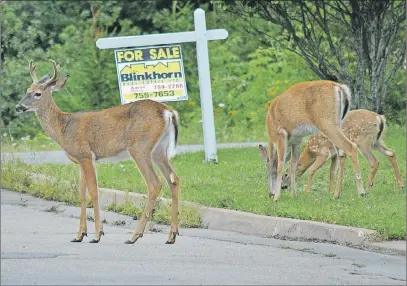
x=97 y=240
x=172 y=240
x=363 y=195
x=130 y=242
x=80 y=239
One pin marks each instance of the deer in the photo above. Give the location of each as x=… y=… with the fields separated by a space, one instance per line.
x=146 y=129
x=305 y=109
x=363 y=127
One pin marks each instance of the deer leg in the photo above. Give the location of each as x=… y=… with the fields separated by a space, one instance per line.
x=91 y=181
x=281 y=154
x=332 y=171
x=173 y=182
x=391 y=155
x=342 y=161
x=82 y=226
x=319 y=162
x=336 y=136
x=295 y=155
x=145 y=166
x=274 y=162
x=373 y=162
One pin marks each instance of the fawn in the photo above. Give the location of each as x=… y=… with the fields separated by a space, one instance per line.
x=363 y=127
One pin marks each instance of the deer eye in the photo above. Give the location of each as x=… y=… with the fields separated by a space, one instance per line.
x=37 y=95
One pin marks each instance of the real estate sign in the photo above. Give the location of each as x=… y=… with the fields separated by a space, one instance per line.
x=155 y=72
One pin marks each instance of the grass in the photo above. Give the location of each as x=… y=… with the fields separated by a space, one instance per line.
x=40 y=143
x=358 y=265
x=61 y=184
x=53 y=209
x=239 y=182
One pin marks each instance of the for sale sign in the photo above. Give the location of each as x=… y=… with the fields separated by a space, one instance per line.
x=156 y=73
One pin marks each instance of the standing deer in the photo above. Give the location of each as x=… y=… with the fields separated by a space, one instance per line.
x=147 y=129
x=302 y=110
x=363 y=127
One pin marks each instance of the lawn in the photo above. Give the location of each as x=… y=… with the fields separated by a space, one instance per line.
x=239 y=182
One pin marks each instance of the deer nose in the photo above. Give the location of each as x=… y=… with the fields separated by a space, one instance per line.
x=20 y=108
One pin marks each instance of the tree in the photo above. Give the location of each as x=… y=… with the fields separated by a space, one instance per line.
x=332 y=35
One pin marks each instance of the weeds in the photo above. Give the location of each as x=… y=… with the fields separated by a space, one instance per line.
x=358 y=265
x=53 y=209
x=119 y=222
x=189 y=216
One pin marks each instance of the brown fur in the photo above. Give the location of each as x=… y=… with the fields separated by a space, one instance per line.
x=140 y=127
x=364 y=128
x=304 y=109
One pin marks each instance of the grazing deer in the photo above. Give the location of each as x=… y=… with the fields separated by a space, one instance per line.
x=147 y=129
x=363 y=127
x=302 y=110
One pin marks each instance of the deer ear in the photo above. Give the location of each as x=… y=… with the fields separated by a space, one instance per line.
x=263 y=153
x=60 y=83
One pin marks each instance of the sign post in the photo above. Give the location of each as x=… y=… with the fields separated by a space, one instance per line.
x=201 y=36
x=205 y=90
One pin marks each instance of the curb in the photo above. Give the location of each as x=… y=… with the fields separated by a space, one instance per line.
x=259 y=225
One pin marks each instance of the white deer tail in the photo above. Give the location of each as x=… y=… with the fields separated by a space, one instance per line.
x=344 y=99
x=169 y=140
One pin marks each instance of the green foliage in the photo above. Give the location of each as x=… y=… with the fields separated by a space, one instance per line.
x=128 y=208
x=189 y=215
x=20 y=177
x=40 y=142
x=246 y=72
x=60 y=183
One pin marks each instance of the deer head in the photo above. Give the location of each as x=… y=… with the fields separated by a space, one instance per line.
x=39 y=94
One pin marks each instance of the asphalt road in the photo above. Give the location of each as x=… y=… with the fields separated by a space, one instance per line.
x=41 y=157
x=35 y=249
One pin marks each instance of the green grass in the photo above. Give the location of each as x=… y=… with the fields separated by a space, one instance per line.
x=40 y=143
x=17 y=176
x=239 y=182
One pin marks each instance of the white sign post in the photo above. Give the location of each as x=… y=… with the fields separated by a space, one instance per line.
x=201 y=36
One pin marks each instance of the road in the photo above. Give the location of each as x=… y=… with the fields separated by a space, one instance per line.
x=35 y=247
x=41 y=157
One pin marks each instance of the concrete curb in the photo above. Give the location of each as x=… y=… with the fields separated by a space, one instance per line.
x=260 y=225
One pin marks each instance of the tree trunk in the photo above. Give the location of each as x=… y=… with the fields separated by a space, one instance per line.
x=360 y=96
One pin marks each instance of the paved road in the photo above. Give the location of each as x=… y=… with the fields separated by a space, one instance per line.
x=36 y=250
x=41 y=157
